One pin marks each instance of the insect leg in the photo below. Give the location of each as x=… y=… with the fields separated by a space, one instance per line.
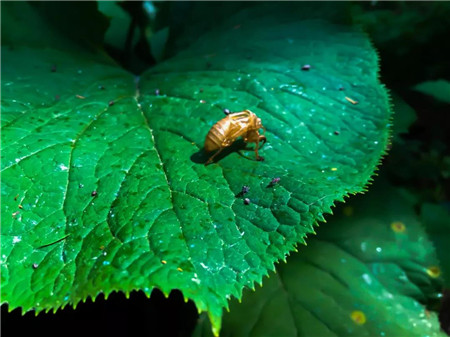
x=260 y=138
x=212 y=157
x=256 y=150
x=263 y=139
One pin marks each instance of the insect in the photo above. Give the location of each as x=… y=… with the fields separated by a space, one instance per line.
x=274 y=181
x=227 y=130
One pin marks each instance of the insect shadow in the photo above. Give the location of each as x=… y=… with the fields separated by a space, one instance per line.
x=201 y=157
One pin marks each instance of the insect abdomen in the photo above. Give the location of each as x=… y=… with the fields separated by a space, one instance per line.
x=215 y=136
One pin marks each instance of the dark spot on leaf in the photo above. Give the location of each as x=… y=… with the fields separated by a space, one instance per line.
x=244 y=190
x=274 y=181
x=336 y=133
x=101 y=87
x=53 y=68
x=111 y=103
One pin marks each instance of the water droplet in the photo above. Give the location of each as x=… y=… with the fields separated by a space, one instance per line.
x=378 y=249
x=195 y=280
x=17 y=239
x=367 y=279
x=63 y=167
x=363 y=246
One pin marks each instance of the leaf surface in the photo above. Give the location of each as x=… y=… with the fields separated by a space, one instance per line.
x=436 y=219
x=367 y=273
x=104 y=186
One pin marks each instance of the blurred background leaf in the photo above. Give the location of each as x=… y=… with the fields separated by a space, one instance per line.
x=439 y=89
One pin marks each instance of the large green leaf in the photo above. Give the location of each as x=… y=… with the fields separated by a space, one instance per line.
x=436 y=219
x=367 y=273
x=104 y=186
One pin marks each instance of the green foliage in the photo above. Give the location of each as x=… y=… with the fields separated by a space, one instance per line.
x=409 y=36
x=436 y=219
x=439 y=90
x=119 y=24
x=363 y=267
x=104 y=186
x=404 y=117
x=188 y=20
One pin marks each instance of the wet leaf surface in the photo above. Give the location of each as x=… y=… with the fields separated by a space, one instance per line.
x=363 y=266
x=104 y=185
